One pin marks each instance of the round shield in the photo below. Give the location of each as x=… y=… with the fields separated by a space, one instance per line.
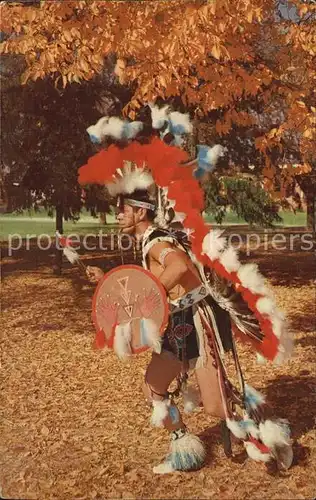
x=129 y=308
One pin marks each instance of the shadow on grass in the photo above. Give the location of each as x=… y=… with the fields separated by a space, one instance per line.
x=292 y=269
x=31 y=258
x=294 y=398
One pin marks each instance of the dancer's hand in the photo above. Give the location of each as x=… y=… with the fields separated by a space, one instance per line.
x=94 y=274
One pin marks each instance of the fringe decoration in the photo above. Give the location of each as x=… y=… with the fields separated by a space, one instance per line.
x=202 y=341
x=160 y=412
x=187 y=453
x=122 y=341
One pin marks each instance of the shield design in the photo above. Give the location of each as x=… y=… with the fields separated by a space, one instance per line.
x=129 y=310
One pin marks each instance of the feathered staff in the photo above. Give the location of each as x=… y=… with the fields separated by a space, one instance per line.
x=69 y=252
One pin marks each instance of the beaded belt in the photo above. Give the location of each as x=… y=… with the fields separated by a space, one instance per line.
x=189 y=299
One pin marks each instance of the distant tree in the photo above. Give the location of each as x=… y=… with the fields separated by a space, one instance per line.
x=246 y=197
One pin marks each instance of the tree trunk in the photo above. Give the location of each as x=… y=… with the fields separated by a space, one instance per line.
x=103 y=217
x=311 y=212
x=307 y=184
x=57 y=267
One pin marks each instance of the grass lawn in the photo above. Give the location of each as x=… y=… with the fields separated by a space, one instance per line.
x=39 y=223
x=35 y=224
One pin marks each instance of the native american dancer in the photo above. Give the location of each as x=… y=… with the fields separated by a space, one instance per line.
x=212 y=297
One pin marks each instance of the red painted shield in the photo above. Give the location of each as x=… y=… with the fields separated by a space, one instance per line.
x=127 y=295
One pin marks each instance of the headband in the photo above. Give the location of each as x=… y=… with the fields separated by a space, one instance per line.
x=138 y=203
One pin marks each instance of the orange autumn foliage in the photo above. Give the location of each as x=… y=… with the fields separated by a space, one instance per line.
x=215 y=56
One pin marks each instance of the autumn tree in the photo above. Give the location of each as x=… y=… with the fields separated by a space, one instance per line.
x=233 y=65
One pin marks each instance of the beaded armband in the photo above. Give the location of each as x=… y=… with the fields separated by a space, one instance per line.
x=163 y=255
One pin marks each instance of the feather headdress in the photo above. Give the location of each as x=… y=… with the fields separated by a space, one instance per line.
x=167 y=168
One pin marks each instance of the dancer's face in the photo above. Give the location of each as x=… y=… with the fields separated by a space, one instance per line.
x=127 y=218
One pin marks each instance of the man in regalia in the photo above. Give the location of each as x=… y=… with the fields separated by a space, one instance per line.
x=203 y=309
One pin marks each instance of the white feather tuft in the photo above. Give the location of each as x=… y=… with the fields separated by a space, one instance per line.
x=132 y=129
x=158 y=115
x=152 y=334
x=278 y=323
x=187 y=451
x=71 y=254
x=260 y=359
x=253 y=397
x=180 y=123
x=96 y=131
x=114 y=127
x=255 y=453
x=285 y=348
x=138 y=179
x=236 y=429
x=252 y=279
x=266 y=305
x=275 y=433
x=163 y=468
x=191 y=399
x=251 y=428
x=122 y=340
x=229 y=259
x=178 y=141
x=215 y=153
x=160 y=412
x=213 y=244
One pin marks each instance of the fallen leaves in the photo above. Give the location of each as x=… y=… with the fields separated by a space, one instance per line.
x=75 y=422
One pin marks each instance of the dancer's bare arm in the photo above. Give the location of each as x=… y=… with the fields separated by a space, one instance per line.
x=176 y=269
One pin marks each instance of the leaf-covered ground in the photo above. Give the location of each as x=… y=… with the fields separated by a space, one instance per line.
x=74 y=422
